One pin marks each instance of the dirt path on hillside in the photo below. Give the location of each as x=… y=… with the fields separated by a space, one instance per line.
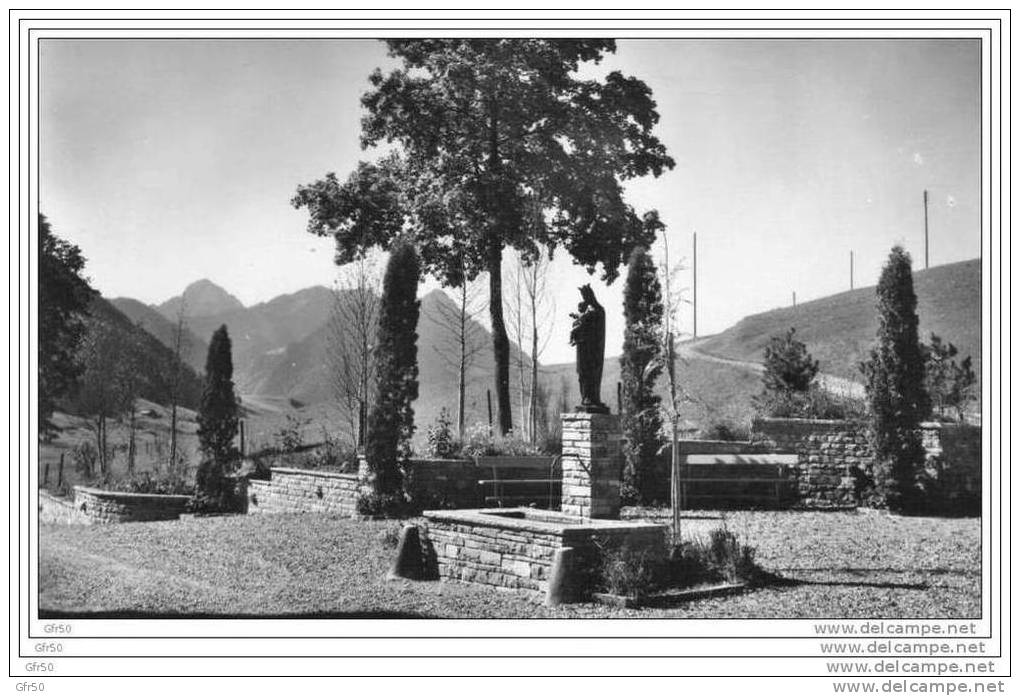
x=830 y=383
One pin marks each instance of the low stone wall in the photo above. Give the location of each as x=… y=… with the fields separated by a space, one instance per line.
x=96 y=506
x=954 y=465
x=830 y=453
x=305 y=490
x=836 y=459
x=492 y=547
x=56 y=510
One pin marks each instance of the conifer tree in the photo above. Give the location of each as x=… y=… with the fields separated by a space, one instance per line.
x=640 y=366
x=218 y=412
x=894 y=377
x=391 y=422
x=788 y=365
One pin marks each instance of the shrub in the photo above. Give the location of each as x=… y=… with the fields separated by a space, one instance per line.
x=722 y=558
x=480 y=442
x=440 y=442
x=813 y=403
x=631 y=572
x=894 y=379
x=169 y=483
x=84 y=456
x=788 y=365
x=381 y=505
x=214 y=491
x=949 y=383
x=288 y=437
x=725 y=430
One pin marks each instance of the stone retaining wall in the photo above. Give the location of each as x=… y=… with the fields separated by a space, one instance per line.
x=56 y=510
x=482 y=546
x=96 y=506
x=305 y=490
x=836 y=460
x=830 y=452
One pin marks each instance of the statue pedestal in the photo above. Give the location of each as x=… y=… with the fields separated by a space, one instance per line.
x=592 y=465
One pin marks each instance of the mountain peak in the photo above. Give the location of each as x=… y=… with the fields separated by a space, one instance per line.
x=202 y=298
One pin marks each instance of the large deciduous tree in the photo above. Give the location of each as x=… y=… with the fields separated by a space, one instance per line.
x=64 y=296
x=640 y=366
x=391 y=422
x=499 y=143
x=894 y=379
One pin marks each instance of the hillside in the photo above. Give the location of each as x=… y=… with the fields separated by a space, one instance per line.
x=280 y=348
x=839 y=329
x=156 y=358
x=193 y=348
x=714 y=393
x=300 y=371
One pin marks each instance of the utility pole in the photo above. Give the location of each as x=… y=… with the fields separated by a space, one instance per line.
x=926 y=229
x=695 y=256
x=794 y=298
x=851 y=269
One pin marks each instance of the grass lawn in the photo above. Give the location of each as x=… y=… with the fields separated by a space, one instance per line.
x=839 y=564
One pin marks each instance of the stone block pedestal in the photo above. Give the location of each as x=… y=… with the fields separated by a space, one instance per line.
x=592 y=465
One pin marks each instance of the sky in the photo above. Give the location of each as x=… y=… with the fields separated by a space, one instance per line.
x=171 y=161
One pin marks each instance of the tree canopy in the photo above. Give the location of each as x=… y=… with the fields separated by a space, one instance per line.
x=64 y=296
x=496 y=143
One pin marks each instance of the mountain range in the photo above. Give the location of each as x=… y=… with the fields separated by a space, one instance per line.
x=280 y=346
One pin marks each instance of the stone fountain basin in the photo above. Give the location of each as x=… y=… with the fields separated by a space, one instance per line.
x=514 y=547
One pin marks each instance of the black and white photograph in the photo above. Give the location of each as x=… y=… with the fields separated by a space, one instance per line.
x=599 y=328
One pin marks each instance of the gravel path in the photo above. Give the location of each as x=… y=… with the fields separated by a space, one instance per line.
x=835 y=565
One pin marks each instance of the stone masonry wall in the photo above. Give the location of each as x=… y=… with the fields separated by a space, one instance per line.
x=829 y=452
x=954 y=464
x=513 y=554
x=56 y=510
x=305 y=490
x=835 y=456
x=95 y=506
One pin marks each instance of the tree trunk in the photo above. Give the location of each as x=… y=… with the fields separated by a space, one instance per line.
x=532 y=401
x=500 y=342
x=131 y=442
x=462 y=368
x=173 y=434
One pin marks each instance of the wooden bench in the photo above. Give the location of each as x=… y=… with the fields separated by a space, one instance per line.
x=768 y=476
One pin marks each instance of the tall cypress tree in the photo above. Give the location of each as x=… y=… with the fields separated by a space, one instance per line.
x=218 y=411
x=639 y=368
x=894 y=376
x=391 y=422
